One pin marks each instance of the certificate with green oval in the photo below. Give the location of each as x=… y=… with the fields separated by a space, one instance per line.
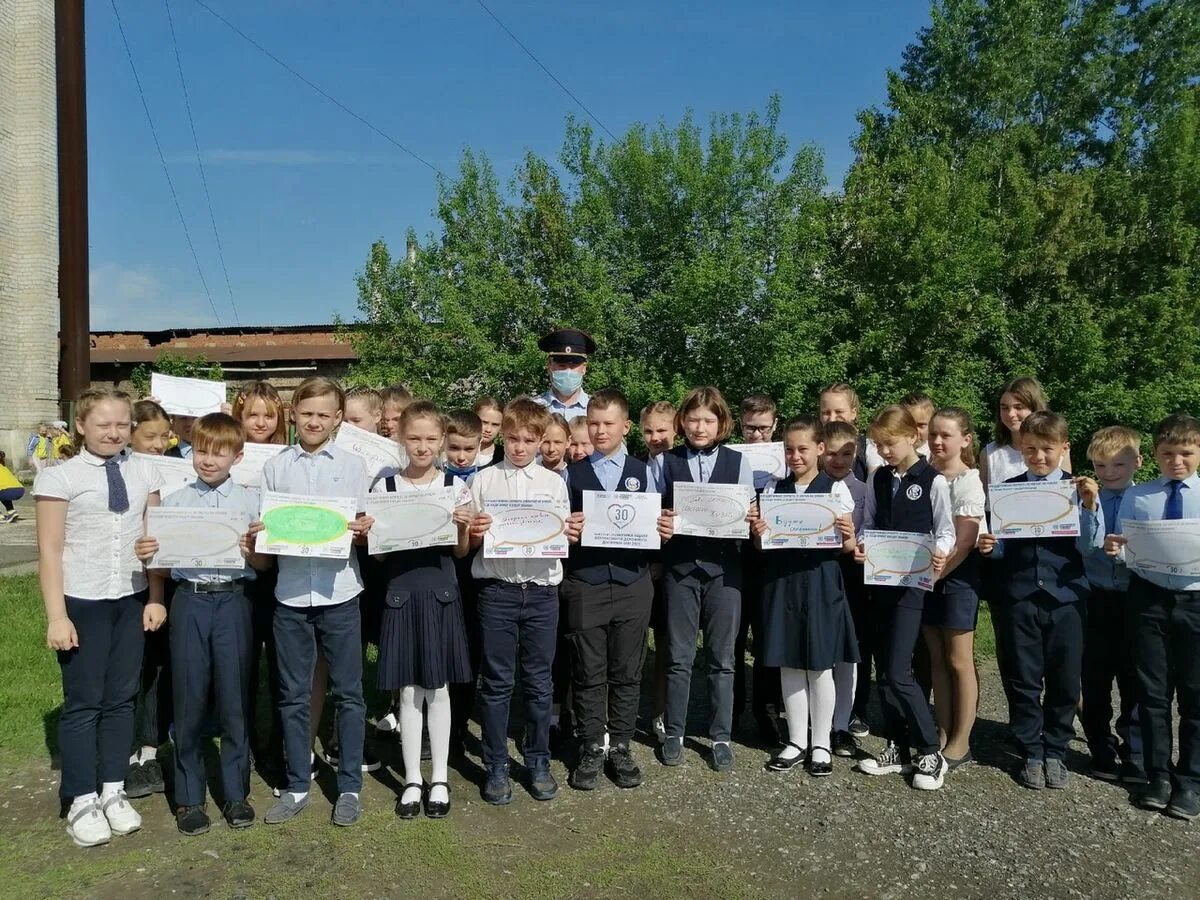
x=304 y=525
x=901 y=559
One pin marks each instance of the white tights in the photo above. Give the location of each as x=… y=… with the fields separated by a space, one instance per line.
x=808 y=695
x=845 y=679
x=436 y=702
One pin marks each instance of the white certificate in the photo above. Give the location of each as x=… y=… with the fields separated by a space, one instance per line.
x=800 y=521
x=187 y=396
x=1034 y=509
x=176 y=473
x=628 y=521
x=407 y=520
x=765 y=459
x=300 y=525
x=525 y=529
x=1168 y=546
x=712 y=510
x=899 y=559
x=196 y=538
x=254 y=456
x=377 y=451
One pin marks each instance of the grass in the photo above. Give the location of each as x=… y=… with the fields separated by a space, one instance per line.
x=30 y=684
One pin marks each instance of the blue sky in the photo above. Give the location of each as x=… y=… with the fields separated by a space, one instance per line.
x=300 y=189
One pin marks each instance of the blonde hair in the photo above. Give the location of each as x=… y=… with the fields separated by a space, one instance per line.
x=893 y=421
x=658 y=408
x=319 y=386
x=264 y=391
x=422 y=409
x=397 y=395
x=561 y=421
x=709 y=398
x=373 y=397
x=88 y=401
x=524 y=412
x=1110 y=442
x=218 y=433
x=841 y=387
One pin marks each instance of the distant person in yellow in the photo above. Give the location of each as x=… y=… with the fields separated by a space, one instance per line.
x=62 y=447
x=11 y=491
x=38 y=448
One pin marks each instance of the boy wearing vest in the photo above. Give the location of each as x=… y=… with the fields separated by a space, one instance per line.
x=607 y=595
x=1044 y=592
x=1165 y=614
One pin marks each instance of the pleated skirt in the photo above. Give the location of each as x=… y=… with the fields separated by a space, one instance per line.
x=806 y=619
x=423 y=640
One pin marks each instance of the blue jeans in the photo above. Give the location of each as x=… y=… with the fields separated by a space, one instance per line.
x=516 y=619
x=297 y=633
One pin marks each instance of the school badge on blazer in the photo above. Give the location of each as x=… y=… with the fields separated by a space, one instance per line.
x=914 y=492
x=633 y=484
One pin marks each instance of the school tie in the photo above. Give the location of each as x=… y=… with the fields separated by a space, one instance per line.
x=1174 y=506
x=700 y=457
x=118 y=496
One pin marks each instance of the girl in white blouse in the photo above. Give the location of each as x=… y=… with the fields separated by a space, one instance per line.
x=90 y=511
x=1002 y=458
x=953 y=608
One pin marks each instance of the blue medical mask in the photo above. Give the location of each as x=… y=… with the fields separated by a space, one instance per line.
x=566 y=381
x=463 y=473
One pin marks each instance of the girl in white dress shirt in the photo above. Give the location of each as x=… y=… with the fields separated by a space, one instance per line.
x=90 y=511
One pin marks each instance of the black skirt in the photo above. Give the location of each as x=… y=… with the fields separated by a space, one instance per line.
x=806 y=617
x=423 y=640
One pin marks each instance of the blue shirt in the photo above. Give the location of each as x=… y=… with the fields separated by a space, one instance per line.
x=226 y=495
x=1147 y=503
x=1091 y=524
x=1103 y=571
x=573 y=410
x=329 y=472
x=608 y=469
x=745 y=473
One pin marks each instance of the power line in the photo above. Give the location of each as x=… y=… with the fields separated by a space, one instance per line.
x=187 y=103
x=162 y=159
x=566 y=90
x=338 y=103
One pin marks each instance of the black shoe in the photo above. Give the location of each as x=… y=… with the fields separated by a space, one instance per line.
x=845 y=744
x=137 y=783
x=154 y=776
x=820 y=768
x=671 y=751
x=858 y=727
x=1184 y=804
x=192 y=820
x=721 y=758
x=586 y=775
x=781 y=763
x=437 y=809
x=1105 y=768
x=1156 y=796
x=238 y=814
x=621 y=768
x=497 y=790
x=409 y=810
x=542 y=785
x=1132 y=772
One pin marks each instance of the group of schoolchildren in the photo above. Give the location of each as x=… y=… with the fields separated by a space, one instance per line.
x=454 y=626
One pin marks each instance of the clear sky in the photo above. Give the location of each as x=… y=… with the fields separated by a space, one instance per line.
x=300 y=189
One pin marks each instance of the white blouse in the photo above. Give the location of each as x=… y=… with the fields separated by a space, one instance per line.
x=967 y=498
x=1003 y=463
x=98 y=558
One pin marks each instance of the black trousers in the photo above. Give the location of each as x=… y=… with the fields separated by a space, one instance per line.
x=908 y=721
x=1108 y=657
x=100 y=682
x=156 y=716
x=606 y=628
x=462 y=694
x=764 y=680
x=1166 y=634
x=210 y=645
x=1043 y=643
x=860 y=611
x=268 y=746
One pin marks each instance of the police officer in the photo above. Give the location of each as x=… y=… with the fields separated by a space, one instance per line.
x=567 y=351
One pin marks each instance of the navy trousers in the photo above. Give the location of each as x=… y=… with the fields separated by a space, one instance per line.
x=1108 y=657
x=516 y=621
x=100 y=683
x=908 y=721
x=1043 y=643
x=1166 y=634
x=210 y=648
x=337 y=630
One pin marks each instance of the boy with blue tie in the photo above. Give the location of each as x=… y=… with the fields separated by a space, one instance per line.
x=1044 y=591
x=1165 y=614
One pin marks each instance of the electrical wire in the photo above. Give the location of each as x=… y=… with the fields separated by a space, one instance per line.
x=162 y=159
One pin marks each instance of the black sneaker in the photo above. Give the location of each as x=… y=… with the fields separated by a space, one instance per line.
x=1156 y=796
x=621 y=768
x=238 y=814
x=1184 y=805
x=137 y=781
x=721 y=757
x=858 y=727
x=542 y=785
x=497 y=790
x=845 y=744
x=192 y=820
x=586 y=775
x=154 y=776
x=1105 y=768
x=672 y=751
x=1132 y=772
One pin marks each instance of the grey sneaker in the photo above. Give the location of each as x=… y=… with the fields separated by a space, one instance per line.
x=672 y=751
x=1057 y=776
x=1032 y=775
x=347 y=810
x=285 y=808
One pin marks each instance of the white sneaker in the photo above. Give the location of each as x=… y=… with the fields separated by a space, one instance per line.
x=122 y=818
x=930 y=772
x=889 y=762
x=87 y=825
x=660 y=729
x=387 y=724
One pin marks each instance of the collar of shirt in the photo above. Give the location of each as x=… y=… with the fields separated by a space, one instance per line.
x=1191 y=482
x=93 y=460
x=1056 y=475
x=511 y=471
x=580 y=401
x=616 y=458
x=203 y=487
x=323 y=450
x=692 y=452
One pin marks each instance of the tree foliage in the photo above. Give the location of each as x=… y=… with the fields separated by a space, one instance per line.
x=1024 y=202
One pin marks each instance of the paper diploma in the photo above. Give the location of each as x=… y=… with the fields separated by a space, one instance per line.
x=765 y=459
x=300 y=525
x=1168 y=546
x=196 y=538
x=525 y=529
x=800 y=521
x=712 y=510
x=408 y=520
x=176 y=473
x=377 y=451
x=254 y=456
x=1034 y=509
x=627 y=521
x=187 y=396
x=899 y=559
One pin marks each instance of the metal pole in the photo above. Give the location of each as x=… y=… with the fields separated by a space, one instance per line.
x=74 y=372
